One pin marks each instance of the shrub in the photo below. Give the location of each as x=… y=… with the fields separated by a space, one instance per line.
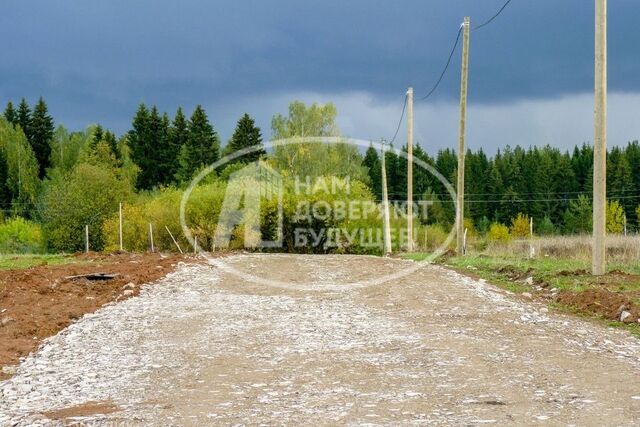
x=578 y=218
x=546 y=227
x=87 y=196
x=499 y=233
x=520 y=226
x=18 y=235
x=483 y=225
x=615 y=217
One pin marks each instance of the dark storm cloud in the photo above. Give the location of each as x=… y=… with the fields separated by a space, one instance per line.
x=96 y=60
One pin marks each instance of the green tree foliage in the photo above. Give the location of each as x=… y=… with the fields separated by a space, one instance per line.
x=24 y=118
x=520 y=226
x=178 y=134
x=372 y=163
x=246 y=135
x=10 y=113
x=545 y=227
x=616 y=218
x=498 y=233
x=41 y=134
x=202 y=147
x=302 y=121
x=22 y=183
x=86 y=196
x=578 y=218
x=19 y=236
x=314 y=159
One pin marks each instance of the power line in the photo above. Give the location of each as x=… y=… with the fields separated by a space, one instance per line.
x=404 y=108
x=446 y=67
x=490 y=20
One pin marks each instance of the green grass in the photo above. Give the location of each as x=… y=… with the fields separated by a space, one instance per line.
x=17 y=262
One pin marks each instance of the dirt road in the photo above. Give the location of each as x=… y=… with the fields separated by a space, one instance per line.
x=204 y=347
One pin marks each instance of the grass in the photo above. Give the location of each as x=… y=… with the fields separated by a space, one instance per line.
x=18 y=262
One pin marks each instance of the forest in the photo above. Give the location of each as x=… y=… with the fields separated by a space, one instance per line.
x=54 y=181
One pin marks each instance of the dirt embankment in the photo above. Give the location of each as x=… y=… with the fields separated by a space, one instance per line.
x=38 y=302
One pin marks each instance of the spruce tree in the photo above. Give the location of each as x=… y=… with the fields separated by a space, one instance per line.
x=140 y=147
x=202 y=147
x=41 y=133
x=246 y=135
x=178 y=133
x=10 y=114
x=372 y=163
x=24 y=118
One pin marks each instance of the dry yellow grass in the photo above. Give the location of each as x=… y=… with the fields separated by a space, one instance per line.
x=620 y=249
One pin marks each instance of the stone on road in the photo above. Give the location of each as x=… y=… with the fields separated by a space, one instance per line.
x=205 y=347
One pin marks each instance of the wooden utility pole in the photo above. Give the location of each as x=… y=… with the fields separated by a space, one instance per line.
x=385 y=204
x=462 y=135
x=600 y=142
x=410 y=169
x=120 y=228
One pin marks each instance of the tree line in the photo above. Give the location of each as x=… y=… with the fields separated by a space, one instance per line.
x=542 y=182
x=63 y=180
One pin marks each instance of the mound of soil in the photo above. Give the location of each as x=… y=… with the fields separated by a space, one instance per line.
x=601 y=302
x=38 y=302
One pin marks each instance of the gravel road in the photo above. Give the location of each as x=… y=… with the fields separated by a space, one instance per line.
x=204 y=347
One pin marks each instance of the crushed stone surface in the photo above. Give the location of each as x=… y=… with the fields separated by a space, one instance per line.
x=205 y=347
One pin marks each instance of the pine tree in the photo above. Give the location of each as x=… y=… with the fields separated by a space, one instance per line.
x=10 y=114
x=24 y=118
x=202 y=147
x=41 y=133
x=246 y=135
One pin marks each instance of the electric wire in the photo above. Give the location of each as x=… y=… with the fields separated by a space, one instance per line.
x=490 y=20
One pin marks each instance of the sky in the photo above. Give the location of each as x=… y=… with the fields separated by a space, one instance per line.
x=531 y=70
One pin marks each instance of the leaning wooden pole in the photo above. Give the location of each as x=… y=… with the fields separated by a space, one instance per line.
x=460 y=242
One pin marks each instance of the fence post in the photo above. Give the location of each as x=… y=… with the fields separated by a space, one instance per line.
x=120 y=228
x=151 y=237
x=86 y=238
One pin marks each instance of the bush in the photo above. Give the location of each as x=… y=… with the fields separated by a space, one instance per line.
x=87 y=196
x=546 y=227
x=499 y=233
x=520 y=226
x=615 y=217
x=18 y=236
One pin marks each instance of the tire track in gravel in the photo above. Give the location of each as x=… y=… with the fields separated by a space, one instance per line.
x=203 y=347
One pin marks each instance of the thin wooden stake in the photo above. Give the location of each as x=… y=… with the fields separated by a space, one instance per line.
x=121 y=245
x=86 y=238
x=174 y=240
x=195 y=245
x=151 y=237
